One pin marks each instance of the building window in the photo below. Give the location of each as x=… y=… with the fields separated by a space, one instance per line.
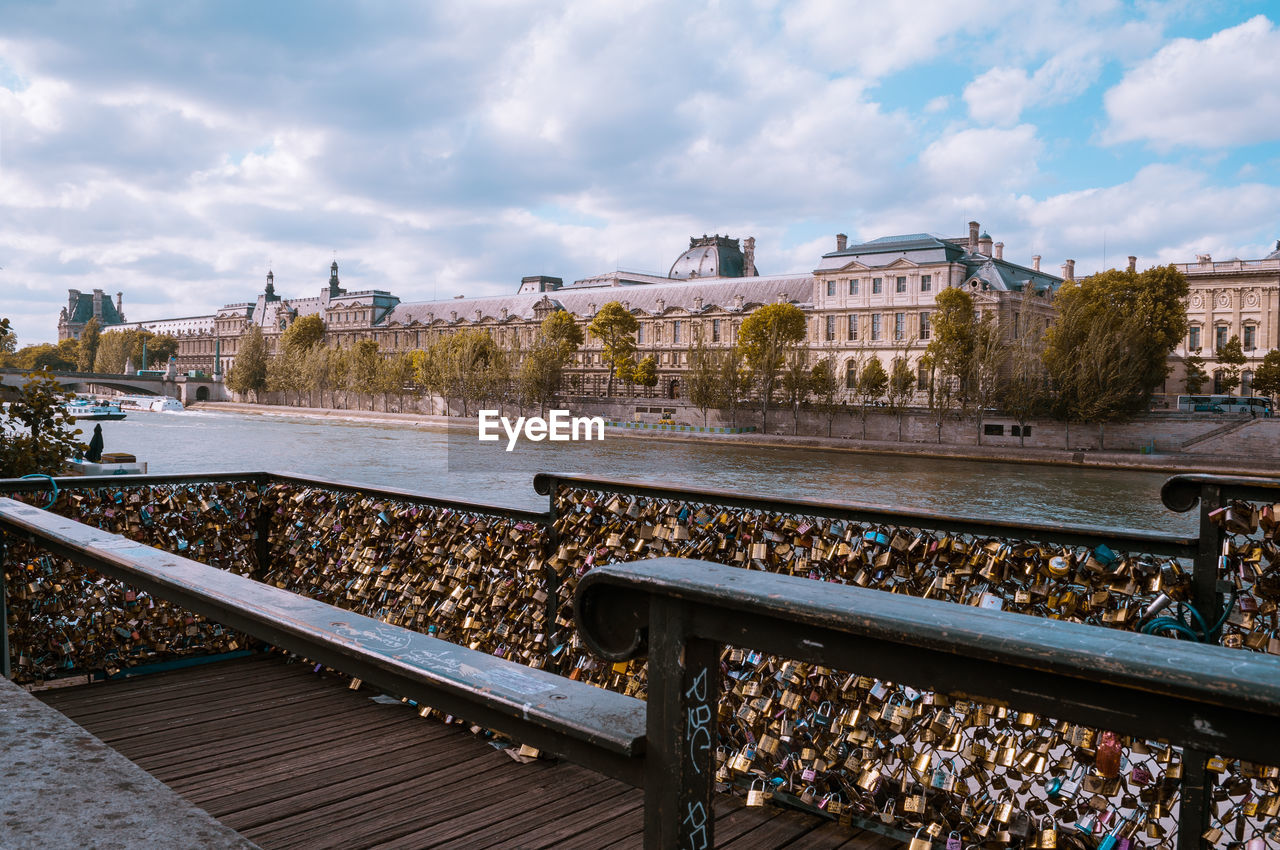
x=850 y=375
x=877 y=285
x=715 y=330
x=875 y=326
x=1246 y=383
x=1220 y=337
x=640 y=335
x=831 y=288
x=675 y=332
x=989 y=430
x=831 y=328
x=1193 y=338
x=922 y=377
x=853 y=287
x=853 y=327
x=900 y=285
x=1250 y=331
x=924 y=326
x=899 y=325
x=1217 y=381
x=1016 y=317
x=926 y=283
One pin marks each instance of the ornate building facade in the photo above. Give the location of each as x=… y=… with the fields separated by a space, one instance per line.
x=872 y=299
x=1228 y=298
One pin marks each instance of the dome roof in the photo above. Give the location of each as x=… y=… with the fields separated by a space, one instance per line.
x=709 y=256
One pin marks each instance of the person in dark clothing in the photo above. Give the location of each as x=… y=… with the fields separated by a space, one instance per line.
x=95 y=445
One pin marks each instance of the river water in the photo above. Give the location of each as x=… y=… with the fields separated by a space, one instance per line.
x=453 y=464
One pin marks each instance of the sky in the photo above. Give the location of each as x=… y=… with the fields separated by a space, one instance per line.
x=177 y=151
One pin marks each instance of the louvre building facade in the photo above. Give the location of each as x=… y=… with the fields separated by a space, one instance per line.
x=870 y=299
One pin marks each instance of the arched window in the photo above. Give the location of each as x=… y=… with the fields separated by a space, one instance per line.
x=1246 y=383
x=850 y=375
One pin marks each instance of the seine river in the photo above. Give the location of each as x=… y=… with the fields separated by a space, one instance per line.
x=455 y=465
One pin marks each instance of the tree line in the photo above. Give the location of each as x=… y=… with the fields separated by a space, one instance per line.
x=96 y=350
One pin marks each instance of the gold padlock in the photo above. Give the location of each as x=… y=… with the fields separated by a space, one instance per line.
x=755 y=796
x=920 y=843
x=1048 y=834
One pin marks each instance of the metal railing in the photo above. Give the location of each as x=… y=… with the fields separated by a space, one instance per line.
x=573 y=538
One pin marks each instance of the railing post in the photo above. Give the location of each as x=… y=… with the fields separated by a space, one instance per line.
x=6 y=669
x=1196 y=806
x=262 y=544
x=681 y=733
x=551 y=608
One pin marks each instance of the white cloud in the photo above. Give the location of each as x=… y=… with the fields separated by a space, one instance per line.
x=1215 y=92
x=983 y=158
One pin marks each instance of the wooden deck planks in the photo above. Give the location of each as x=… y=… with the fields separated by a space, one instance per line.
x=292 y=758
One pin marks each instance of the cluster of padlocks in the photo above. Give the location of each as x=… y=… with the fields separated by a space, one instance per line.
x=466 y=577
x=833 y=742
x=957 y=771
x=65 y=619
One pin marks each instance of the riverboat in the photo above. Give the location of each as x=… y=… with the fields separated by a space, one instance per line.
x=151 y=403
x=90 y=410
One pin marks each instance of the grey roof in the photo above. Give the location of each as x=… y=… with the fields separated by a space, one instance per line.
x=1008 y=277
x=714 y=292
x=1274 y=255
x=916 y=247
x=84 y=310
x=709 y=256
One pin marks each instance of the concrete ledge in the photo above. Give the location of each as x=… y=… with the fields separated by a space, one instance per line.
x=62 y=787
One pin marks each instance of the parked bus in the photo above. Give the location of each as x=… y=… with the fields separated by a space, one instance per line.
x=1225 y=404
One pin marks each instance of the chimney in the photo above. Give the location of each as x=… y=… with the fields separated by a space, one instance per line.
x=1035 y=262
x=662 y=306
x=842 y=241
x=477 y=315
x=999 y=250
x=504 y=312
x=697 y=303
x=120 y=305
x=984 y=244
x=1133 y=264
x=1069 y=270
x=973 y=237
x=97 y=304
x=749 y=257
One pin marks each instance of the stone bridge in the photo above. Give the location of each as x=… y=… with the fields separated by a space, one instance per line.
x=181 y=387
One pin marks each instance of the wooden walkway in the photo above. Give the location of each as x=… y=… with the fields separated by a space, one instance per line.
x=290 y=758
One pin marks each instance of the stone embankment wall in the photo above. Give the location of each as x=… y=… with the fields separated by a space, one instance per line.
x=1162 y=433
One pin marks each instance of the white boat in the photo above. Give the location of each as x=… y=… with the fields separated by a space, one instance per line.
x=90 y=410
x=151 y=403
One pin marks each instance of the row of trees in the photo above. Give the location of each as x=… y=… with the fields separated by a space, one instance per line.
x=94 y=351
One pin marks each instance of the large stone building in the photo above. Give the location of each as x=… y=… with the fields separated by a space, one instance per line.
x=867 y=300
x=1229 y=298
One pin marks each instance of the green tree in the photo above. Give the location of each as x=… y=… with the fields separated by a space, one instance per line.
x=118 y=348
x=950 y=354
x=46 y=355
x=615 y=328
x=1108 y=349
x=796 y=384
x=733 y=382
x=88 y=345
x=1195 y=373
x=365 y=376
x=902 y=382
x=646 y=372
x=249 y=371
x=1025 y=393
x=872 y=384
x=304 y=334
x=36 y=432
x=703 y=377
x=561 y=328
x=1230 y=359
x=1266 y=381
x=987 y=368
x=825 y=388
x=765 y=338
x=471 y=367
x=541 y=372
x=337 y=368
x=8 y=341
